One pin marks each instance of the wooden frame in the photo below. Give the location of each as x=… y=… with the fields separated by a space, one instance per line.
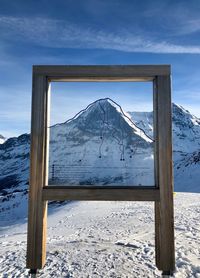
x=161 y=194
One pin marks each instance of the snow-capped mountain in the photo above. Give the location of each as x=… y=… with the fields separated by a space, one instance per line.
x=14 y=175
x=2 y=139
x=144 y=120
x=102 y=145
x=185 y=127
x=186 y=145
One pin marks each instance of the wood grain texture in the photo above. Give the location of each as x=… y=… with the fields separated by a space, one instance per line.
x=37 y=214
x=164 y=208
x=158 y=249
x=102 y=73
x=99 y=193
x=156 y=172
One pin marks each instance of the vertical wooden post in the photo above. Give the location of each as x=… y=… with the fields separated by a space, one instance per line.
x=164 y=215
x=156 y=172
x=37 y=214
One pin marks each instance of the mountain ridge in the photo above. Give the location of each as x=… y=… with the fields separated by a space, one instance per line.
x=100 y=131
x=100 y=102
x=102 y=144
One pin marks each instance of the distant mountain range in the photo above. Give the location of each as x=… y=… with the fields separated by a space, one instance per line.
x=102 y=145
x=186 y=145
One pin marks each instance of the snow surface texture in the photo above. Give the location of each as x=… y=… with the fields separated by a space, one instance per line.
x=105 y=239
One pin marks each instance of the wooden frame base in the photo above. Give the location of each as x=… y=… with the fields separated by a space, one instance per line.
x=161 y=194
x=60 y=193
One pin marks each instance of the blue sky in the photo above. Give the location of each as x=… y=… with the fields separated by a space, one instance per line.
x=95 y=32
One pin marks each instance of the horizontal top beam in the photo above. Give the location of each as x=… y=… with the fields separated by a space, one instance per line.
x=102 y=73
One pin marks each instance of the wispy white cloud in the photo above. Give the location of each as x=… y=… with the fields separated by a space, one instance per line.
x=190 y=26
x=175 y=18
x=62 y=34
x=182 y=25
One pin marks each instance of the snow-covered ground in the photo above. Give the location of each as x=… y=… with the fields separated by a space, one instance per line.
x=106 y=239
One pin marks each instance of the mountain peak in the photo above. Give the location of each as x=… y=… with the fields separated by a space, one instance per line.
x=182 y=116
x=101 y=104
x=106 y=112
x=2 y=139
x=178 y=109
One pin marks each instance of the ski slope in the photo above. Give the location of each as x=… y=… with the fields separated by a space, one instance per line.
x=105 y=239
